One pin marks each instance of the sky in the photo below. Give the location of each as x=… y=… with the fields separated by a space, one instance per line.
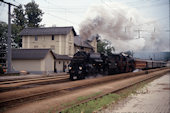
x=76 y=12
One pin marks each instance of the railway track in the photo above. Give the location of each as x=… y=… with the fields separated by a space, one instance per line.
x=14 y=98
x=10 y=81
x=119 y=89
x=29 y=83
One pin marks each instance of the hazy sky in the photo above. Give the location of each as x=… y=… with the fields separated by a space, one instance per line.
x=73 y=12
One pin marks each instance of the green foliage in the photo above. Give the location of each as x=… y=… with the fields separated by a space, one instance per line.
x=19 y=23
x=3 y=31
x=104 y=46
x=31 y=17
x=33 y=14
x=81 y=98
x=15 y=38
x=19 y=17
x=93 y=105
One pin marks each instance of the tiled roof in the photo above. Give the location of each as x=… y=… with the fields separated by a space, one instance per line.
x=47 y=31
x=82 y=43
x=35 y=54
x=29 y=54
x=61 y=57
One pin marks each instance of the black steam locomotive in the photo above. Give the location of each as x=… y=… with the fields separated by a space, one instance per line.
x=84 y=64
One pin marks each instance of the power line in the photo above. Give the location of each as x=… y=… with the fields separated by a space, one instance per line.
x=128 y=20
x=61 y=18
x=8 y=3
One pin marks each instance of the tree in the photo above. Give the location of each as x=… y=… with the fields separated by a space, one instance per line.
x=19 y=17
x=3 y=30
x=16 y=38
x=31 y=17
x=3 y=35
x=33 y=14
x=104 y=46
x=19 y=23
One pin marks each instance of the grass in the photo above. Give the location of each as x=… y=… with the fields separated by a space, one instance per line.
x=106 y=100
x=89 y=96
x=81 y=98
x=90 y=106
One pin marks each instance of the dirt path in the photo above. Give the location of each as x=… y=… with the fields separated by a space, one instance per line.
x=53 y=104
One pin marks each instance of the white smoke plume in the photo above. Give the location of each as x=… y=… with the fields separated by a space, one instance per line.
x=123 y=26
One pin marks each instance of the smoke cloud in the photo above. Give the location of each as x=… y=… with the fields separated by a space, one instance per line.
x=123 y=26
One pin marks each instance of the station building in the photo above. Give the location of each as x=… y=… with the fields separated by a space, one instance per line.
x=61 y=44
x=33 y=60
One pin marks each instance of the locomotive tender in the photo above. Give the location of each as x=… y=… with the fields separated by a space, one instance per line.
x=84 y=64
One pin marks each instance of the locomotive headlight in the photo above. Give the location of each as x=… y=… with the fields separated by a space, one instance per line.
x=70 y=67
x=80 y=68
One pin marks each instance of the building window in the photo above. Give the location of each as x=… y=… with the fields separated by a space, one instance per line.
x=52 y=38
x=35 y=46
x=36 y=38
x=59 y=62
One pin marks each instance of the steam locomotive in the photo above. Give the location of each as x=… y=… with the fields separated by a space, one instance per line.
x=84 y=64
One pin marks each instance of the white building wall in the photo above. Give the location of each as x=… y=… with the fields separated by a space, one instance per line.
x=27 y=65
x=44 y=66
x=49 y=63
x=59 y=65
x=62 y=44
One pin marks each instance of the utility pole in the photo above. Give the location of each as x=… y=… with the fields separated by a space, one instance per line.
x=9 y=36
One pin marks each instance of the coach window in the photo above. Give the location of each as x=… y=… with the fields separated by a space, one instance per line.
x=36 y=38
x=52 y=38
